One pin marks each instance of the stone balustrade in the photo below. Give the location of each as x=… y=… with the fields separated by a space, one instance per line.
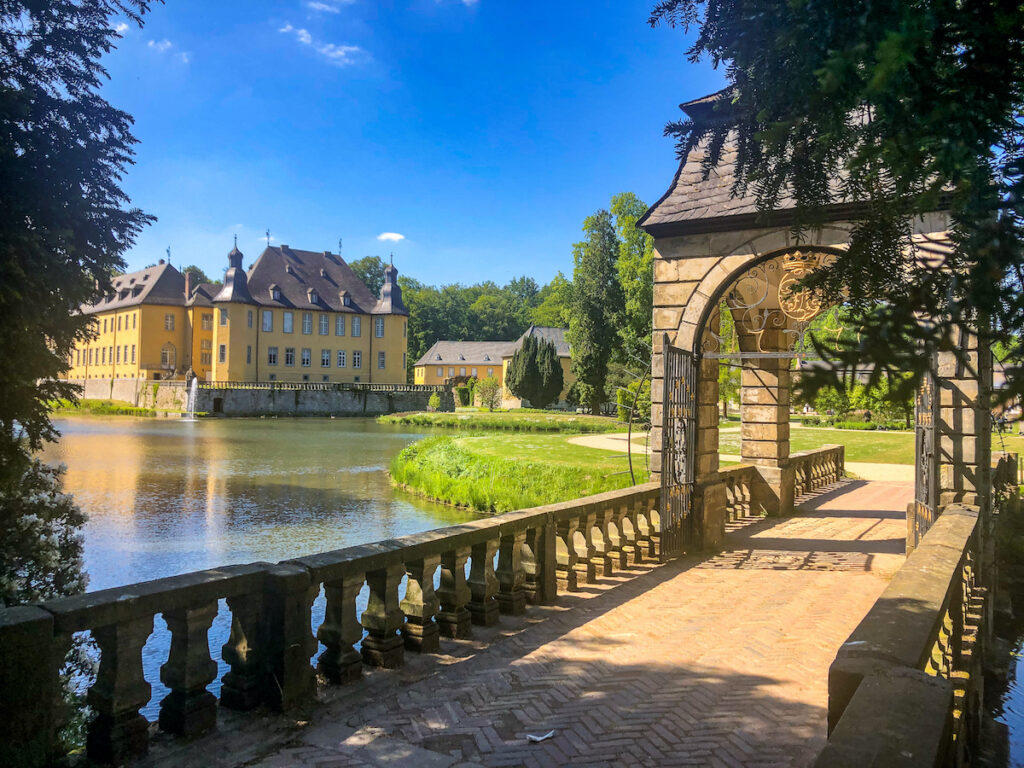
x=514 y=560
x=905 y=688
x=817 y=469
x=739 y=482
x=314 y=386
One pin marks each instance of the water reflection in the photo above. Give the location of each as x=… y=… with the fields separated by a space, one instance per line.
x=166 y=497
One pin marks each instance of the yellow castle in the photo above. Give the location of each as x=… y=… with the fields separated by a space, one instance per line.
x=295 y=316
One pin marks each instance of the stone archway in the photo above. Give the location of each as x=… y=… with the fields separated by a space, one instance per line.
x=752 y=270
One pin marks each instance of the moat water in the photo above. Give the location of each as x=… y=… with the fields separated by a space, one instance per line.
x=166 y=497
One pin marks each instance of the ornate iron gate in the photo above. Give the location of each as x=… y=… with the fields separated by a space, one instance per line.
x=678 y=450
x=926 y=460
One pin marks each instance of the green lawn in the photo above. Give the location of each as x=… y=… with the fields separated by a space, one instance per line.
x=517 y=420
x=498 y=473
x=877 y=447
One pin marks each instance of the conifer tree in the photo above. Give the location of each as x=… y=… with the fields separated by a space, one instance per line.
x=551 y=379
x=596 y=307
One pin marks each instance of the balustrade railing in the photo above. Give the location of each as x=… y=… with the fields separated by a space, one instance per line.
x=310 y=386
x=515 y=559
x=817 y=469
x=907 y=683
x=739 y=483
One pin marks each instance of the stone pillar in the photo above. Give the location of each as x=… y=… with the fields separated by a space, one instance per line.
x=764 y=410
x=341 y=662
x=383 y=618
x=708 y=492
x=540 y=565
x=454 y=619
x=965 y=429
x=511 y=574
x=29 y=681
x=290 y=641
x=189 y=709
x=420 y=604
x=483 y=584
x=119 y=733
x=242 y=687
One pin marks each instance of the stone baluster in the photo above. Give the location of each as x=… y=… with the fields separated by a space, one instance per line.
x=290 y=641
x=615 y=538
x=604 y=557
x=566 y=555
x=511 y=574
x=454 y=620
x=654 y=519
x=341 y=662
x=531 y=564
x=119 y=733
x=645 y=534
x=631 y=536
x=420 y=632
x=587 y=561
x=243 y=685
x=189 y=709
x=383 y=618
x=483 y=584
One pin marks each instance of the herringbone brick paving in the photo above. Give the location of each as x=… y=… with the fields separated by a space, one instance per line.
x=717 y=661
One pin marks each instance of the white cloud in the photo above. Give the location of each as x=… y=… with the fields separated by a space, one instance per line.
x=121 y=28
x=393 y=237
x=161 y=46
x=185 y=57
x=315 y=5
x=340 y=55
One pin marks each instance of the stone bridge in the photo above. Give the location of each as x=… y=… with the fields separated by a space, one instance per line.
x=556 y=622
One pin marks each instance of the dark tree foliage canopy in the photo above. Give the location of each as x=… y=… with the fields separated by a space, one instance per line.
x=903 y=107
x=535 y=373
x=65 y=220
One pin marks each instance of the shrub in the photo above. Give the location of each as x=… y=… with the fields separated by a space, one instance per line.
x=464 y=395
x=624 y=400
x=434 y=402
x=489 y=392
x=862 y=425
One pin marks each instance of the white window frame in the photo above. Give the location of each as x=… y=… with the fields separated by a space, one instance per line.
x=440 y=372
x=288 y=322
x=357 y=326
x=168 y=322
x=306 y=357
x=378 y=327
x=271 y=355
x=381 y=360
x=325 y=358
x=307 y=323
x=289 y=354
x=222 y=353
x=339 y=325
x=357 y=359
x=325 y=324
x=342 y=359
x=268 y=321
x=223 y=316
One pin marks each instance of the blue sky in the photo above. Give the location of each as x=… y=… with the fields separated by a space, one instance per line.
x=481 y=131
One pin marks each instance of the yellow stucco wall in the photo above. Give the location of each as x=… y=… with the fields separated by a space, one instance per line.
x=428 y=374
x=128 y=343
x=364 y=349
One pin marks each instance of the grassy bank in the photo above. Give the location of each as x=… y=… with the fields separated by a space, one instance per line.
x=518 y=420
x=101 y=408
x=501 y=474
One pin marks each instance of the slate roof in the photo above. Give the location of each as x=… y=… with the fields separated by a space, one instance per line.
x=555 y=335
x=694 y=204
x=159 y=284
x=466 y=353
x=202 y=295
x=297 y=274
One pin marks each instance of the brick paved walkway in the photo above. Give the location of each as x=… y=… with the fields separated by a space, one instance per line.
x=717 y=661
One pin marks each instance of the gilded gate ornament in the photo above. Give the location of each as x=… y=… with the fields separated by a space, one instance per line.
x=802 y=306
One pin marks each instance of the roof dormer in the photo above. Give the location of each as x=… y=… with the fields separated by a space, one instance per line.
x=314 y=297
x=346 y=300
x=275 y=292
